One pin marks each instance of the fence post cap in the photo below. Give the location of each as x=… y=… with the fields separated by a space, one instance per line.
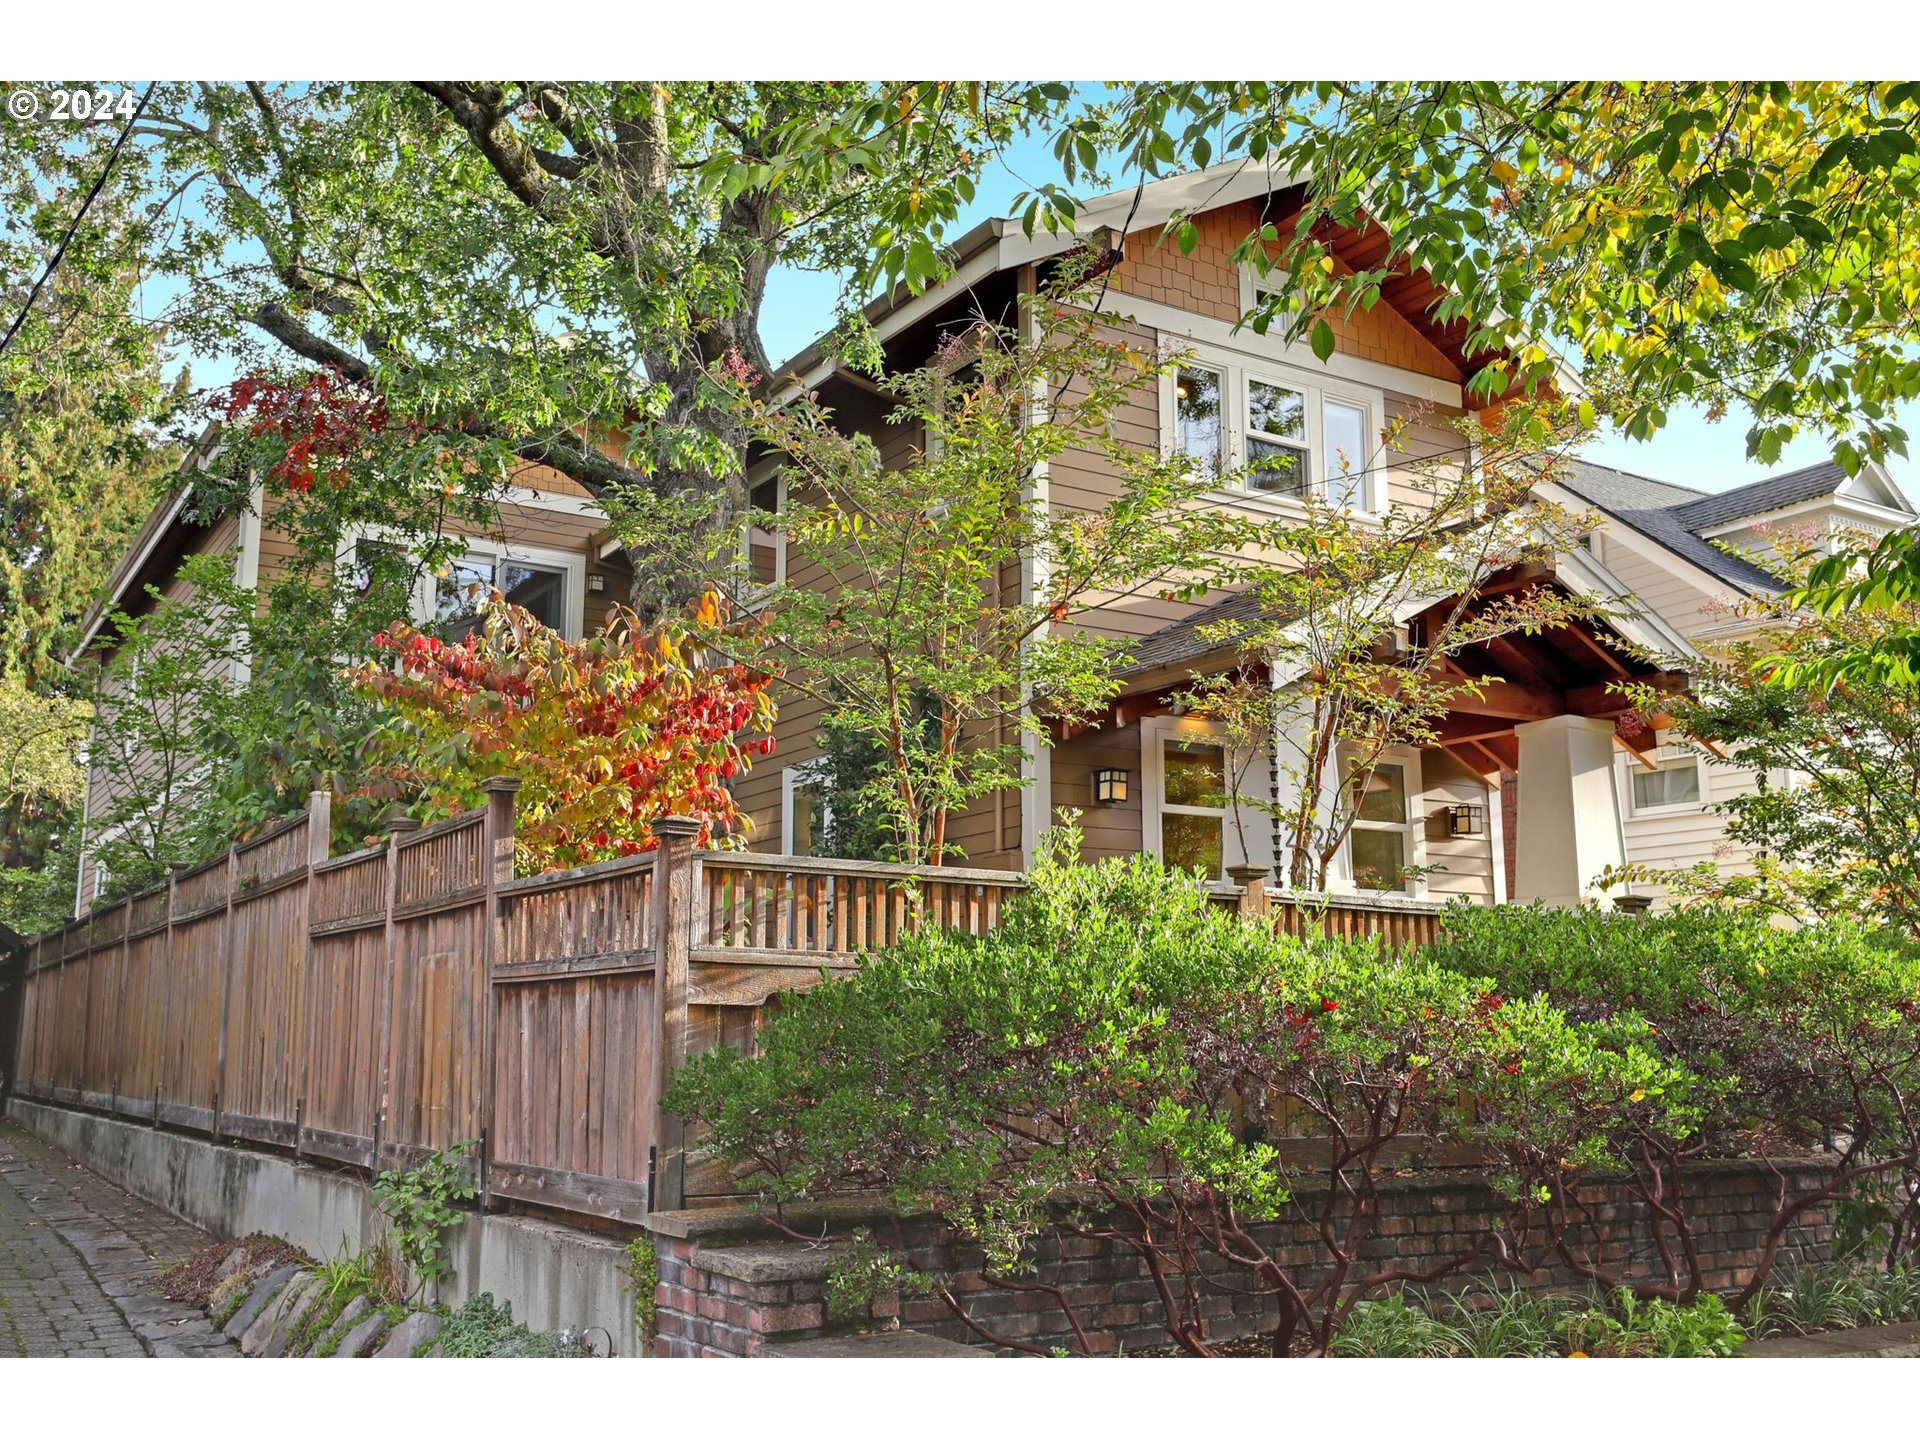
x=500 y=784
x=399 y=822
x=675 y=827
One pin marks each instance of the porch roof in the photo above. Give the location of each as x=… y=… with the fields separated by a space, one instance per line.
x=1568 y=670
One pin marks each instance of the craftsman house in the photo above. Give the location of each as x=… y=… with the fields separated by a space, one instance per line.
x=1533 y=790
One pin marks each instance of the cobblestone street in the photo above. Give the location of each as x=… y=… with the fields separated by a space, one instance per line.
x=80 y=1260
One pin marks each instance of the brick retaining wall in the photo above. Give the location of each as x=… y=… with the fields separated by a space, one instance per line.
x=729 y=1286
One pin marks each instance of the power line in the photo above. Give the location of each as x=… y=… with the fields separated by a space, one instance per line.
x=73 y=228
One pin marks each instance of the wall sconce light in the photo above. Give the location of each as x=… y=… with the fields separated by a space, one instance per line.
x=1466 y=820
x=1110 y=787
x=596 y=582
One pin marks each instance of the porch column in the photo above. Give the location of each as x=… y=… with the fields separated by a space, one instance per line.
x=1569 y=813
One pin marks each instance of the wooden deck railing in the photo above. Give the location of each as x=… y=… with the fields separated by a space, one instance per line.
x=371 y=1008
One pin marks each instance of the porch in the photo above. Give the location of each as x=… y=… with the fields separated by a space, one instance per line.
x=1518 y=798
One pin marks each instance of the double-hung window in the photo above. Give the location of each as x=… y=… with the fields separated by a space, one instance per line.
x=1275 y=432
x=1383 y=847
x=765 y=548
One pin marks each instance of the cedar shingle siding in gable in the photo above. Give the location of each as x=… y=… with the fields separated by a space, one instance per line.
x=1208 y=282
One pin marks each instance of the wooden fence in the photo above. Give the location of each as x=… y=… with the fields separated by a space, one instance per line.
x=372 y=1008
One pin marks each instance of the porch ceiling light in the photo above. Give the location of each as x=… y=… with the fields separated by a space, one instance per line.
x=1110 y=786
x=1466 y=820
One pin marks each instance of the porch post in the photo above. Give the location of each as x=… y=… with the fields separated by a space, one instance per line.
x=1569 y=813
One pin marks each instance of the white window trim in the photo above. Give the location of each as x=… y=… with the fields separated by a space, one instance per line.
x=1414 y=828
x=752 y=592
x=1236 y=372
x=570 y=563
x=799 y=775
x=1628 y=764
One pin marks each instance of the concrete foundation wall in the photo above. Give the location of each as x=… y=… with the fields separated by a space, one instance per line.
x=555 y=1277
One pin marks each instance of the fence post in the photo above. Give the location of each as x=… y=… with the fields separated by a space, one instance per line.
x=319 y=847
x=674 y=886
x=1252 y=880
x=496 y=840
x=165 y=1069
x=397 y=826
x=226 y=992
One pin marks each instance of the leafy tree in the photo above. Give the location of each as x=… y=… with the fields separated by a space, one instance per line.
x=40 y=776
x=514 y=265
x=606 y=734
x=1326 y=615
x=81 y=463
x=1731 y=244
x=905 y=620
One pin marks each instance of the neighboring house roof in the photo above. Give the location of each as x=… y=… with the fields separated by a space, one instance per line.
x=1655 y=509
x=1680 y=517
x=1776 y=492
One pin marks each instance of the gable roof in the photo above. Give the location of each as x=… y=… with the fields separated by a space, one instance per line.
x=1182 y=643
x=1001 y=244
x=1678 y=516
x=1655 y=509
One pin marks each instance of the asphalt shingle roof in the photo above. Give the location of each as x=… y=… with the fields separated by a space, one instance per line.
x=1776 y=492
x=1668 y=514
x=1180 y=642
x=1660 y=512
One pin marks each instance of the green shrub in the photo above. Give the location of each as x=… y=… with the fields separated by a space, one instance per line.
x=1123 y=1049
x=419 y=1207
x=1393 y=1329
x=1812 y=1037
x=1497 y=1321
x=483 y=1330
x=1630 y=1326
x=1811 y=1298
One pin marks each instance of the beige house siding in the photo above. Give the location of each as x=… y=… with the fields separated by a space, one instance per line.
x=1462 y=868
x=1692 y=603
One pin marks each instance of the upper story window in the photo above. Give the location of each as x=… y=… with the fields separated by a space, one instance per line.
x=766 y=548
x=1197 y=417
x=549 y=584
x=1280 y=433
x=541 y=590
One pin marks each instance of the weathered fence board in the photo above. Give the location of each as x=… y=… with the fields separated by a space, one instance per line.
x=372 y=1008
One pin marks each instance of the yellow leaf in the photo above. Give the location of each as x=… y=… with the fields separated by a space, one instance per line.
x=1637 y=1096
x=1503 y=172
